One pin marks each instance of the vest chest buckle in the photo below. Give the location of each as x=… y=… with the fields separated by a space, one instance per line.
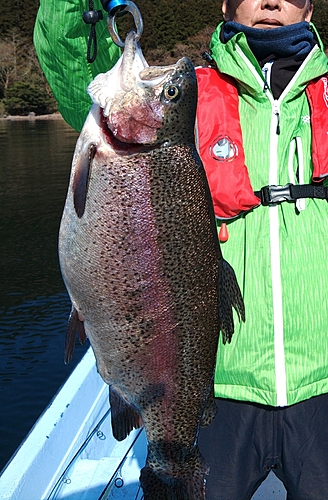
x=271 y=195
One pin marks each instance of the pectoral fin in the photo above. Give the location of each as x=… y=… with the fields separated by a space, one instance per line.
x=81 y=178
x=230 y=297
x=75 y=325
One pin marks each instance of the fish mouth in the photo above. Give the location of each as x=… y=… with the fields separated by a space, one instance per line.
x=138 y=113
x=129 y=96
x=107 y=88
x=121 y=147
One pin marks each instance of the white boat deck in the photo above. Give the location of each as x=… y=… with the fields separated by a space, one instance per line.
x=71 y=453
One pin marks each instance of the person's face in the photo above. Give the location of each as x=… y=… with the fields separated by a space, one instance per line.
x=267 y=14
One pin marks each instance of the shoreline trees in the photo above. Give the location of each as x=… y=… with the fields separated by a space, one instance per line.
x=171 y=30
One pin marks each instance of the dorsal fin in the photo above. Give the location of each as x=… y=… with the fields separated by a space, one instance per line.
x=210 y=409
x=230 y=297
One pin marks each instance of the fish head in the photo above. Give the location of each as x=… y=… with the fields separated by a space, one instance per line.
x=146 y=105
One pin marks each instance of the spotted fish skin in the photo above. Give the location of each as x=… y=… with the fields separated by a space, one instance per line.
x=140 y=258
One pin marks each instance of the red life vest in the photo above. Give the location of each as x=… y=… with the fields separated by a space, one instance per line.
x=221 y=143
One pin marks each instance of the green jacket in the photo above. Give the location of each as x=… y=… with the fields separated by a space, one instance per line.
x=61 y=40
x=279 y=356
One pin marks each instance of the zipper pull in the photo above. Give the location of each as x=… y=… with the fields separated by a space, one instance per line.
x=278 y=124
x=266 y=85
x=276 y=111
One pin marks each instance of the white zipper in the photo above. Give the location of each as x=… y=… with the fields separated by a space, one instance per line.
x=279 y=351
x=278 y=320
x=278 y=323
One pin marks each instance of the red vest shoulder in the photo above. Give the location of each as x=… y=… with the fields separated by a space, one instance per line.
x=317 y=94
x=220 y=140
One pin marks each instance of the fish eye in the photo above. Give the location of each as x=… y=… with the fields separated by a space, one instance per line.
x=171 y=92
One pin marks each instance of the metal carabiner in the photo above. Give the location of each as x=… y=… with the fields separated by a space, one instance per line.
x=125 y=6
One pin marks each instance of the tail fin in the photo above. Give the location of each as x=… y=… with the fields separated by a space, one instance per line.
x=187 y=483
x=230 y=297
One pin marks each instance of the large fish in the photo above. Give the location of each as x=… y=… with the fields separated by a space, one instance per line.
x=140 y=257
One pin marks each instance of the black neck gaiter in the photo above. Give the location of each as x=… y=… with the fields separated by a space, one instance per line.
x=286 y=47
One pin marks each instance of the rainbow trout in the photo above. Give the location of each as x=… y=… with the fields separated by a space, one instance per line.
x=140 y=258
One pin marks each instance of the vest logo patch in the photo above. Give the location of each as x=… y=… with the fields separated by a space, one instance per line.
x=223 y=149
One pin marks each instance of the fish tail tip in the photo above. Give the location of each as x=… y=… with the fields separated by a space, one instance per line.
x=189 y=485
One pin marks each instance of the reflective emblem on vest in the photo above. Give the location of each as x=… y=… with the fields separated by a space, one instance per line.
x=223 y=149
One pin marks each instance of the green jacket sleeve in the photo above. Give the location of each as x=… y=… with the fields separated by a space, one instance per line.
x=60 y=40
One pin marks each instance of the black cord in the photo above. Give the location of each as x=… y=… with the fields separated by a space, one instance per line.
x=92 y=17
x=92 y=41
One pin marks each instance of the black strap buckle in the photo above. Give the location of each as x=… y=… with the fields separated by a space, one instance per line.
x=271 y=195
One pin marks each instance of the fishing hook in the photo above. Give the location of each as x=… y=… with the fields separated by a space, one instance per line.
x=119 y=7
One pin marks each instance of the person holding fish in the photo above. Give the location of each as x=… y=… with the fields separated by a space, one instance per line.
x=271 y=382
x=262 y=124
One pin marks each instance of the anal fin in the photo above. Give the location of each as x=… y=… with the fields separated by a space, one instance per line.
x=124 y=415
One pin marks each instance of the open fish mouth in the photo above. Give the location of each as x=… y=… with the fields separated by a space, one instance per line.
x=121 y=145
x=128 y=114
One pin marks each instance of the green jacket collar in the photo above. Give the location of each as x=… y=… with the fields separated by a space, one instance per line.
x=235 y=56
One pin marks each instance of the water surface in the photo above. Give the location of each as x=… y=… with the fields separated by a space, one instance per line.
x=35 y=159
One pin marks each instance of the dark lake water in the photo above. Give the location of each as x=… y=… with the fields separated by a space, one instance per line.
x=35 y=159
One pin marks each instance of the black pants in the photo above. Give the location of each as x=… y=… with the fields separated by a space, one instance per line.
x=247 y=440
